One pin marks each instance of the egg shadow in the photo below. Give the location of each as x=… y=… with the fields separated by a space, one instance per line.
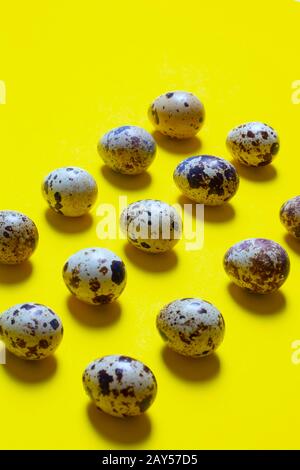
x=94 y=316
x=127 y=182
x=219 y=214
x=61 y=223
x=293 y=243
x=262 y=304
x=192 y=369
x=215 y=214
x=12 y=274
x=156 y=263
x=30 y=371
x=259 y=173
x=123 y=430
x=177 y=146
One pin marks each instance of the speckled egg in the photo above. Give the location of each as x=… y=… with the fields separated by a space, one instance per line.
x=127 y=149
x=253 y=143
x=119 y=385
x=207 y=179
x=18 y=237
x=151 y=225
x=95 y=275
x=290 y=216
x=70 y=191
x=177 y=114
x=30 y=331
x=191 y=327
x=259 y=265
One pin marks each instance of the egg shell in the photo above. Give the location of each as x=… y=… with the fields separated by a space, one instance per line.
x=70 y=191
x=257 y=264
x=207 y=179
x=31 y=331
x=178 y=114
x=191 y=327
x=151 y=225
x=18 y=237
x=127 y=149
x=95 y=275
x=253 y=144
x=120 y=385
x=290 y=216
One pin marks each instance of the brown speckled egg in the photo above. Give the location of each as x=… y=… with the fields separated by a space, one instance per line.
x=119 y=385
x=191 y=327
x=95 y=275
x=207 y=179
x=290 y=216
x=177 y=114
x=30 y=331
x=18 y=237
x=70 y=191
x=151 y=225
x=127 y=149
x=253 y=143
x=257 y=264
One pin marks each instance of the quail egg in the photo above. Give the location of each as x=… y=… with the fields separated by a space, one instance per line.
x=253 y=143
x=191 y=327
x=177 y=114
x=18 y=237
x=70 y=191
x=30 y=331
x=290 y=216
x=207 y=179
x=259 y=265
x=95 y=275
x=127 y=149
x=151 y=225
x=119 y=385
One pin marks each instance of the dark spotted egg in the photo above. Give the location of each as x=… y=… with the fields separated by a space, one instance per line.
x=253 y=143
x=207 y=179
x=95 y=275
x=30 y=331
x=127 y=149
x=257 y=264
x=151 y=225
x=290 y=216
x=191 y=327
x=18 y=237
x=119 y=385
x=178 y=114
x=70 y=191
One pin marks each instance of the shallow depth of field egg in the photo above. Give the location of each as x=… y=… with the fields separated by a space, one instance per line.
x=95 y=275
x=127 y=149
x=206 y=179
x=30 y=331
x=259 y=265
x=18 y=237
x=120 y=385
x=253 y=143
x=191 y=327
x=70 y=191
x=151 y=225
x=177 y=114
x=290 y=216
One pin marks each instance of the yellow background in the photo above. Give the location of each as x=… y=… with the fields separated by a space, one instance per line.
x=73 y=70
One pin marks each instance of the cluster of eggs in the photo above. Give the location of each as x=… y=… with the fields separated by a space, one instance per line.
x=120 y=385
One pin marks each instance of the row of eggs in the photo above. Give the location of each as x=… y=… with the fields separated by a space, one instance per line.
x=120 y=385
